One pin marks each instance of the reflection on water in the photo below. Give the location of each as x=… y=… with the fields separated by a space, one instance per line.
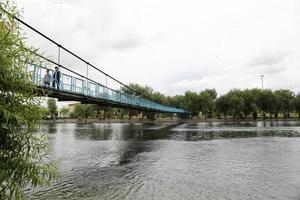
x=175 y=161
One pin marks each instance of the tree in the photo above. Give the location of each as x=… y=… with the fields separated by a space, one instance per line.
x=206 y=101
x=140 y=91
x=222 y=105
x=159 y=98
x=84 y=111
x=212 y=93
x=265 y=101
x=21 y=151
x=249 y=97
x=52 y=108
x=64 y=111
x=296 y=104
x=177 y=101
x=254 y=94
x=236 y=106
x=44 y=112
x=192 y=102
x=285 y=101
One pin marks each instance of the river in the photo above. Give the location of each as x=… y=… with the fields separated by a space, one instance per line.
x=253 y=160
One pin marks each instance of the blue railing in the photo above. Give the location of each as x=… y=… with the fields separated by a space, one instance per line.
x=76 y=85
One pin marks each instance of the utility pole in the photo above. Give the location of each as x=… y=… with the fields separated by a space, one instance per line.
x=262 y=81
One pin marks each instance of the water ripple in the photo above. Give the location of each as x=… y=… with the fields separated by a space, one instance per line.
x=155 y=161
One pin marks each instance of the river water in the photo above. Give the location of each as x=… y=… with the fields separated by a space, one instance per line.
x=174 y=161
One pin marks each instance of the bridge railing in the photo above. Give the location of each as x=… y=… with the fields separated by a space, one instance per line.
x=77 y=85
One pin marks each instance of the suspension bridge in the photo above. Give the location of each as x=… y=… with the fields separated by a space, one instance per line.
x=74 y=86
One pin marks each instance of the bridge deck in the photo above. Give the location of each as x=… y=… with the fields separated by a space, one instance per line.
x=76 y=89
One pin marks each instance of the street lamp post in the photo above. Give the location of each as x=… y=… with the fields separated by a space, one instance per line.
x=262 y=81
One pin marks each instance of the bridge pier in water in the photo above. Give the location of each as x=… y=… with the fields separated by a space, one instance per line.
x=183 y=116
x=151 y=115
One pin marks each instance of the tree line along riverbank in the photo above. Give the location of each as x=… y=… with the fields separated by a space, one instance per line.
x=236 y=104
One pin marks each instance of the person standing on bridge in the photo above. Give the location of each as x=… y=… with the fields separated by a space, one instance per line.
x=47 y=79
x=56 y=78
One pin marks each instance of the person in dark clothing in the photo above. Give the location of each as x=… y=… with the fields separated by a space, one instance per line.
x=56 y=78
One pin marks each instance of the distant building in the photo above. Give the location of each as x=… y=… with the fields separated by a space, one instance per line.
x=72 y=106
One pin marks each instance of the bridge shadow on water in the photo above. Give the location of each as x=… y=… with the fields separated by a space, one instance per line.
x=124 y=132
x=134 y=138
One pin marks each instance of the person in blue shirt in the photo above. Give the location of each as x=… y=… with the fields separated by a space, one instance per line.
x=56 y=78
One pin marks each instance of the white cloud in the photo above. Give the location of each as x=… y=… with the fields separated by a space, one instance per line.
x=268 y=58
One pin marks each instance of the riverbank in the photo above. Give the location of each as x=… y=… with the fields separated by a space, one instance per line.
x=163 y=120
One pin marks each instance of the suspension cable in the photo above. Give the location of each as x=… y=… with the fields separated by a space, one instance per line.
x=70 y=52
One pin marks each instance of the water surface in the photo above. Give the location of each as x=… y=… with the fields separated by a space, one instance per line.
x=174 y=161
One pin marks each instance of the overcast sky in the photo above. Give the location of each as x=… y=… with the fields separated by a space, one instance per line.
x=176 y=45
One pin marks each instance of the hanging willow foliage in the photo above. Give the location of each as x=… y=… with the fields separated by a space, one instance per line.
x=23 y=153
